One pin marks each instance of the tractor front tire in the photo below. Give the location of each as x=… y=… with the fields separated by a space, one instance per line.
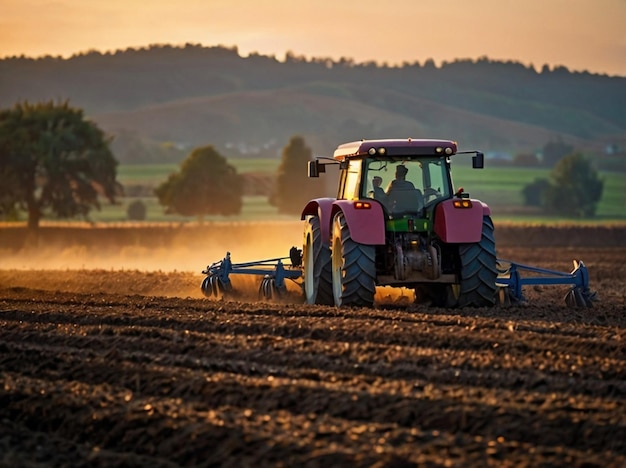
x=318 y=286
x=353 y=267
x=478 y=270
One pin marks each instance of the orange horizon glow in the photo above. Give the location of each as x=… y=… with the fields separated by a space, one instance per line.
x=577 y=34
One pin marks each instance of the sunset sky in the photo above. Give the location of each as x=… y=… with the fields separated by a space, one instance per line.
x=579 y=34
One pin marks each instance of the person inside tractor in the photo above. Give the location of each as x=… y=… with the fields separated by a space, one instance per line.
x=378 y=193
x=402 y=196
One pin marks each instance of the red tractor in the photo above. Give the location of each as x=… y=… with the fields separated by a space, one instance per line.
x=418 y=232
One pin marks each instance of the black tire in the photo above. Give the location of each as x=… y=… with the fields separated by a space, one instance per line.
x=478 y=270
x=353 y=268
x=318 y=281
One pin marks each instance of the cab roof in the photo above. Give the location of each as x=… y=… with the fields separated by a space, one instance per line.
x=395 y=147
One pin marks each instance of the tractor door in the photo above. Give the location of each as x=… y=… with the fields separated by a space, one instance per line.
x=350 y=181
x=436 y=180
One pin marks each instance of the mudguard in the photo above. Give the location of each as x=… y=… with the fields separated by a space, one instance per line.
x=460 y=225
x=322 y=208
x=367 y=225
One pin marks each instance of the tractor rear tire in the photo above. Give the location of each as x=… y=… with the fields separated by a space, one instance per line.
x=318 y=280
x=478 y=270
x=353 y=268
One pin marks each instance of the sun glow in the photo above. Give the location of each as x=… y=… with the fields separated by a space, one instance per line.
x=588 y=37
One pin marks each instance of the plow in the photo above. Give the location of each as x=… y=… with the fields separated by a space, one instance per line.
x=419 y=233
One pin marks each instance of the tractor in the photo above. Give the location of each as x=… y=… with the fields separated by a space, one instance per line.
x=419 y=233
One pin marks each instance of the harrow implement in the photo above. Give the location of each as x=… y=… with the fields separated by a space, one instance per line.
x=274 y=272
x=512 y=277
x=510 y=282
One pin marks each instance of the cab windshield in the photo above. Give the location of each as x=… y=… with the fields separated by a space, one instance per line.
x=427 y=176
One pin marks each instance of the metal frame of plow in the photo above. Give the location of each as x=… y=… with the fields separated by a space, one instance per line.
x=272 y=269
x=579 y=294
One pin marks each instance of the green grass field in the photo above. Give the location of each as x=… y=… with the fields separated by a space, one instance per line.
x=255 y=208
x=500 y=187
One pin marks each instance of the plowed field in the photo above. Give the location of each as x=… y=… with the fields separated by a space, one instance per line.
x=112 y=367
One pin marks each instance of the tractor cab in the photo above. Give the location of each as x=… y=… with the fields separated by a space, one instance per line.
x=402 y=185
x=405 y=176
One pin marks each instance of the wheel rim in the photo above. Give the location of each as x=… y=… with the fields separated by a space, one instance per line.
x=309 y=280
x=337 y=265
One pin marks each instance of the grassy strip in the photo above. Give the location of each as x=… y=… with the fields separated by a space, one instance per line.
x=500 y=187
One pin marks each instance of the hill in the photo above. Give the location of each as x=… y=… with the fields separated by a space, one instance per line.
x=196 y=95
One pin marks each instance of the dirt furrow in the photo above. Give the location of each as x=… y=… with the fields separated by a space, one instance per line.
x=65 y=404
x=97 y=377
x=387 y=359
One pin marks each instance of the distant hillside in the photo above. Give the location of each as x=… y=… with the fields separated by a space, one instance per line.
x=196 y=95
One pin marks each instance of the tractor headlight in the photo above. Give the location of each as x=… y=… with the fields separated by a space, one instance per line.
x=373 y=151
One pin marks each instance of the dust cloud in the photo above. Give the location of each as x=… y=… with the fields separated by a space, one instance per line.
x=180 y=251
x=151 y=262
x=158 y=262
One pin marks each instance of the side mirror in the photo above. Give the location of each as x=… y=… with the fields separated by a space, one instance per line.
x=478 y=160
x=314 y=168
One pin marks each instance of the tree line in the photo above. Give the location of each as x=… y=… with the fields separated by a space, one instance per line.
x=53 y=161
x=574 y=103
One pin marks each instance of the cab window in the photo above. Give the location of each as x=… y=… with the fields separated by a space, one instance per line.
x=352 y=180
x=436 y=183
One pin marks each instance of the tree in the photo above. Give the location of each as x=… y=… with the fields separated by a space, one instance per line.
x=575 y=188
x=9 y=187
x=136 y=211
x=554 y=151
x=205 y=185
x=293 y=188
x=52 y=158
x=534 y=193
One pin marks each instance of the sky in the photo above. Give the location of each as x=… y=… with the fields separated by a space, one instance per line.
x=582 y=35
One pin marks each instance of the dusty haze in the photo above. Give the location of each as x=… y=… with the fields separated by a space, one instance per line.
x=180 y=251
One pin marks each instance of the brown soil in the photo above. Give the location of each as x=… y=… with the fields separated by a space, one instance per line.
x=124 y=367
